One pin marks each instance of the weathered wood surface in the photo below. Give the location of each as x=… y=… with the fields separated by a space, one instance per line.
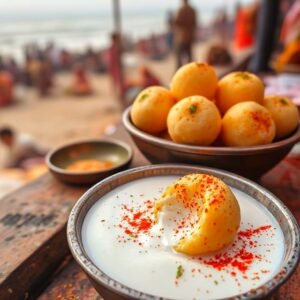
x=32 y=226
x=32 y=231
x=71 y=283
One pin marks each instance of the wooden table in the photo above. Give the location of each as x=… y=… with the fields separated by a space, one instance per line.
x=35 y=260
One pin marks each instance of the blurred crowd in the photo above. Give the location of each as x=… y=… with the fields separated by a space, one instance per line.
x=183 y=29
x=42 y=63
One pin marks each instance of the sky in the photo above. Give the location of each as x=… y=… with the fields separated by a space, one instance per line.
x=23 y=7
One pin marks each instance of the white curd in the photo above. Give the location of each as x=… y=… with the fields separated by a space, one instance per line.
x=147 y=262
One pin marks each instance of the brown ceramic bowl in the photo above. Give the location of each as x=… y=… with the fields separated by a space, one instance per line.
x=117 y=152
x=112 y=289
x=251 y=162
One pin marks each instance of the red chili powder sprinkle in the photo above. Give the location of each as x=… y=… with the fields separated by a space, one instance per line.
x=261 y=120
x=145 y=224
x=215 y=201
x=250 y=232
x=127 y=231
x=137 y=215
x=136 y=220
x=238 y=259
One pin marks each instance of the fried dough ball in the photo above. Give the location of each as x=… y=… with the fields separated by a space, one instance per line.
x=212 y=213
x=285 y=114
x=194 y=79
x=194 y=120
x=150 y=109
x=239 y=87
x=247 y=124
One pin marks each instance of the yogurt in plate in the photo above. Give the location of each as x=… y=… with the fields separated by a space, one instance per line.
x=122 y=240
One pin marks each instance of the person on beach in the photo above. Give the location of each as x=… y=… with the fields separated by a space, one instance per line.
x=114 y=64
x=145 y=78
x=170 y=30
x=81 y=85
x=44 y=80
x=2 y=65
x=245 y=25
x=185 y=24
x=290 y=30
x=6 y=88
x=221 y=26
x=22 y=150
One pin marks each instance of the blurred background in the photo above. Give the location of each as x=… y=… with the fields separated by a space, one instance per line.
x=68 y=68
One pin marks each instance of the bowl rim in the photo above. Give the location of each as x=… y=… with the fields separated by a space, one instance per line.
x=209 y=150
x=62 y=171
x=77 y=248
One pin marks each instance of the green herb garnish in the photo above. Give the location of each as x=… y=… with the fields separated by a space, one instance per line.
x=133 y=235
x=193 y=108
x=179 y=272
x=216 y=282
x=200 y=64
x=283 y=101
x=243 y=75
x=143 y=97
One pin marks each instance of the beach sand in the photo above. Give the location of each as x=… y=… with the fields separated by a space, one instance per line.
x=59 y=117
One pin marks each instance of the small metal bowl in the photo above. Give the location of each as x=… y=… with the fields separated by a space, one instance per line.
x=114 y=290
x=117 y=152
x=251 y=162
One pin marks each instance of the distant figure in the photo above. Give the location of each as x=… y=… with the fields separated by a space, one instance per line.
x=13 y=69
x=81 y=85
x=185 y=24
x=20 y=148
x=290 y=39
x=143 y=47
x=44 y=79
x=2 y=66
x=291 y=26
x=157 y=47
x=221 y=25
x=91 y=59
x=31 y=70
x=6 y=88
x=53 y=55
x=114 y=64
x=101 y=66
x=170 y=30
x=253 y=17
x=65 y=59
x=246 y=25
x=145 y=79
x=218 y=55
